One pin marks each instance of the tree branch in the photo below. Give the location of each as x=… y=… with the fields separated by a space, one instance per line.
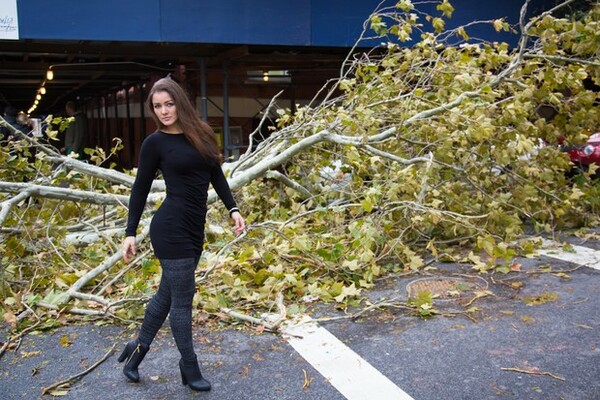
x=75 y=377
x=569 y=60
x=76 y=195
x=290 y=183
x=8 y=204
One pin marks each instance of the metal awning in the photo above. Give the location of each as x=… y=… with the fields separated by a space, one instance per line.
x=84 y=69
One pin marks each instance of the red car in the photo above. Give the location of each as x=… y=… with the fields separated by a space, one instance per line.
x=588 y=154
x=583 y=156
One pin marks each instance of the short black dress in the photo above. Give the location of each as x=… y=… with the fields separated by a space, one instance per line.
x=177 y=228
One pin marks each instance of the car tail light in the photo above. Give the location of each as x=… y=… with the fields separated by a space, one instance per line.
x=588 y=150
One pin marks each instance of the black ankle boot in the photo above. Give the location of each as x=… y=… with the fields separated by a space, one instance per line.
x=190 y=375
x=134 y=352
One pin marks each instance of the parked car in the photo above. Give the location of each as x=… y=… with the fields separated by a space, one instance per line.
x=583 y=156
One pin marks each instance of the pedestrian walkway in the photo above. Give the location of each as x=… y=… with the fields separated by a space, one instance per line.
x=348 y=372
x=579 y=255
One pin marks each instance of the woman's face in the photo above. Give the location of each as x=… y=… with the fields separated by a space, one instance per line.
x=166 y=111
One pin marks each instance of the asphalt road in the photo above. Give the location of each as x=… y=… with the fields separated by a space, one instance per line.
x=528 y=335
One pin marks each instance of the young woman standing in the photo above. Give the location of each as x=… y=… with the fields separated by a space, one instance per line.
x=185 y=151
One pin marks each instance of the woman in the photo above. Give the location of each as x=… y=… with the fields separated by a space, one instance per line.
x=185 y=151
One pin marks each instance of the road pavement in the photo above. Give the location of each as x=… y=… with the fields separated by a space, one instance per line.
x=527 y=335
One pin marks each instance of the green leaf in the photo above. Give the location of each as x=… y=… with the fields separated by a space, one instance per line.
x=438 y=24
x=367 y=204
x=56 y=298
x=348 y=291
x=446 y=8
x=336 y=288
x=405 y=5
x=498 y=25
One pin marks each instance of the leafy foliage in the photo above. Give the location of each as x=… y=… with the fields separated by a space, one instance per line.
x=418 y=153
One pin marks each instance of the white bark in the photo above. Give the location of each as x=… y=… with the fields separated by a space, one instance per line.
x=53 y=192
x=275 y=151
x=6 y=205
x=88 y=237
x=59 y=193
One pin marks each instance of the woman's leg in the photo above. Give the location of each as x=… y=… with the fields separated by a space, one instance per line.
x=180 y=276
x=156 y=312
x=155 y=315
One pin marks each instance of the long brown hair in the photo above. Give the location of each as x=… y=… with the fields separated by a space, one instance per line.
x=196 y=131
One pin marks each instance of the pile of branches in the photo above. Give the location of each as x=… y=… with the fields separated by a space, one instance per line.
x=428 y=148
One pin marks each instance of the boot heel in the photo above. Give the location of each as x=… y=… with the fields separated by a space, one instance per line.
x=191 y=376
x=183 y=379
x=125 y=353
x=134 y=353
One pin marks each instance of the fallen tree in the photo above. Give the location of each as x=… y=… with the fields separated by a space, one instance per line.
x=417 y=153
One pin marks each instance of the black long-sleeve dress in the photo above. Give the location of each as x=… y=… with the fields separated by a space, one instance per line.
x=177 y=228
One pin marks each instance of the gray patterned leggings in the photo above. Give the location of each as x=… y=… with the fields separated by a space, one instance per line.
x=174 y=298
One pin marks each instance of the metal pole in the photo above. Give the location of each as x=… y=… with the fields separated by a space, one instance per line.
x=203 y=98
x=142 y=110
x=119 y=130
x=130 y=136
x=226 y=140
x=106 y=125
x=292 y=94
x=99 y=139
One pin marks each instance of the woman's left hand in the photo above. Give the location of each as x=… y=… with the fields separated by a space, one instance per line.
x=240 y=225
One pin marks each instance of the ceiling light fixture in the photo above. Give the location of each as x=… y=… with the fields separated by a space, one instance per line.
x=268 y=77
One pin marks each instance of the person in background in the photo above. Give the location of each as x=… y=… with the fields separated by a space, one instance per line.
x=179 y=74
x=185 y=151
x=10 y=116
x=76 y=133
x=23 y=121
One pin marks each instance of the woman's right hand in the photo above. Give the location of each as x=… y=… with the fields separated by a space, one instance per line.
x=129 y=248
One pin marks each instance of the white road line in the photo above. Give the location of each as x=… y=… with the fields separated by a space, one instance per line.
x=581 y=255
x=349 y=373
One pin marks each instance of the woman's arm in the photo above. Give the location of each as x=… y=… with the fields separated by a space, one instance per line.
x=219 y=182
x=147 y=167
